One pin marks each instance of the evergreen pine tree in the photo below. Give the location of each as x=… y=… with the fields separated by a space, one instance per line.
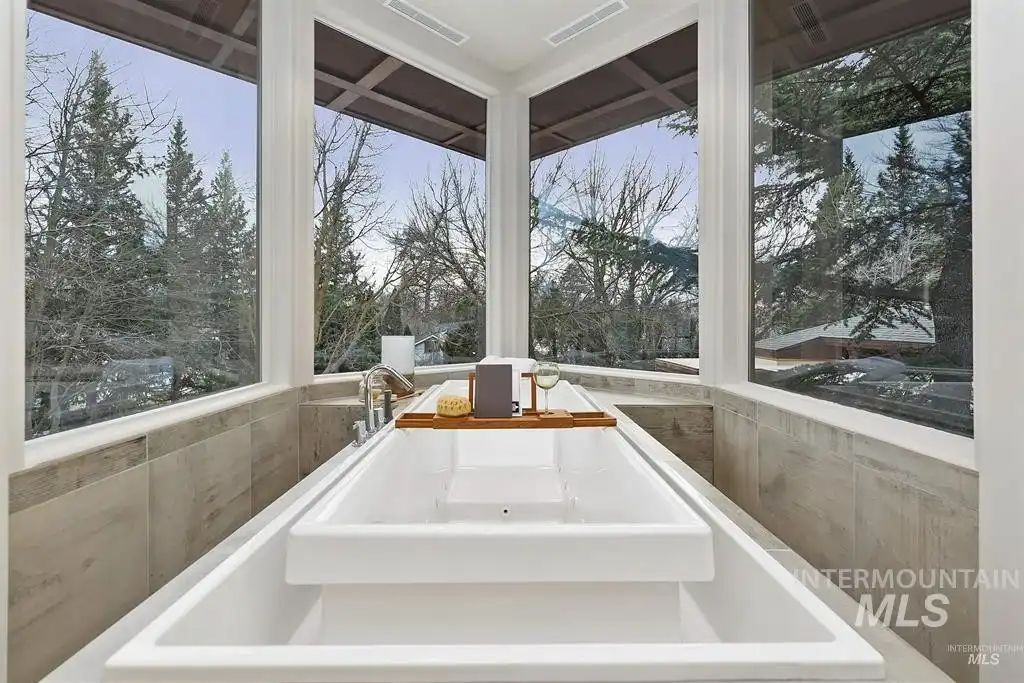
x=901 y=189
x=951 y=296
x=228 y=243
x=103 y=310
x=182 y=259
x=184 y=194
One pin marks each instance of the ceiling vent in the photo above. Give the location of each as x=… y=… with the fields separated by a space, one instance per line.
x=807 y=17
x=587 y=21
x=428 y=22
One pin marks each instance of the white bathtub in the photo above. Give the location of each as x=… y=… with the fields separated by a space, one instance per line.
x=747 y=620
x=501 y=506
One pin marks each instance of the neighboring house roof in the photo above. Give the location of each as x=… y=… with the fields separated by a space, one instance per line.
x=922 y=331
x=443 y=329
x=428 y=338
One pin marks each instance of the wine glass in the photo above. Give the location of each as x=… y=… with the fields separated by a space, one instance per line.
x=546 y=375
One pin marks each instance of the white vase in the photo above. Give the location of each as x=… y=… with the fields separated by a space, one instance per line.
x=399 y=351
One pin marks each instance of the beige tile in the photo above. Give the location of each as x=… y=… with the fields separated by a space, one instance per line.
x=692 y=391
x=177 y=436
x=806 y=498
x=735 y=458
x=730 y=509
x=274 y=404
x=197 y=496
x=903 y=664
x=39 y=484
x=694 y=449
x=695 y=418
x=275 y=456
x=901 y=527
x=737 y=404
x=750 y=526
x=323 y=431
x=77 y=564
x=684 y=430
x=314 y=392
x=609 y=383
x=919 y=470
x=811 y=432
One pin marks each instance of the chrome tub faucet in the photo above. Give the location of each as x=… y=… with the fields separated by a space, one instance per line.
x=374 y=420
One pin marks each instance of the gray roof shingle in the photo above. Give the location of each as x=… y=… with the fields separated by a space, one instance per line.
x=920 y=332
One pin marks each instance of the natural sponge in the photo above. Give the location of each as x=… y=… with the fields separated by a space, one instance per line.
x=453 y=406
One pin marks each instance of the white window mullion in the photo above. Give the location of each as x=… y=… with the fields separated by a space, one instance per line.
x=998 y=281
x=286 y=192
x=723 y=70
x=12 y=267
x=508 y=224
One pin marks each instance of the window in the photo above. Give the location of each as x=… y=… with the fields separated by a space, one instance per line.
x=399 y=226
x=862 y=207
x=140 y=219
x=613 y=263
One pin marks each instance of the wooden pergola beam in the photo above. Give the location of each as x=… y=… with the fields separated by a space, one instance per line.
x=370 y=80
x=667 y=87
x=234 y=43
x=361 y=91
x=239 y=29
x=636 y=73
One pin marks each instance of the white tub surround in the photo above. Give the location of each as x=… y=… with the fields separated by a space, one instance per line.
x=749 y=620
x=501 y=506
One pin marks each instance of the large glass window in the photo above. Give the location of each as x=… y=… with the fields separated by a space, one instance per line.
x=140 y=220
x=399 y=226
x=613 y=263
x=862 y=205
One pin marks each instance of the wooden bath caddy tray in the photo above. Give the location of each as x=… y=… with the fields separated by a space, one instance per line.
x=530 y=419
x=555 y=419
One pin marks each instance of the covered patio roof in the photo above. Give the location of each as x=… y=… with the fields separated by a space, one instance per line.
x=651 y=82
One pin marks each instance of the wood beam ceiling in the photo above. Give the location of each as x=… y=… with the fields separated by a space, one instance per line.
x=231 y=42
x=241 y=26
x=658 y=90
x=370 y=80
x=635 y=73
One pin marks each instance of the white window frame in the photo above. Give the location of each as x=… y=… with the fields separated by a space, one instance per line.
x=286 y=207
x=998 y=244
x=285 y=238
x=282 y=252
x=12 y=268
x=725 y=307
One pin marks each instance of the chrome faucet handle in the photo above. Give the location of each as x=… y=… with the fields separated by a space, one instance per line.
x=360 y=428
x=389 y=413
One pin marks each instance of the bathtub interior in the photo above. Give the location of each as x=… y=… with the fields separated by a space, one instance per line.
x=254 y=605
x=558 y=476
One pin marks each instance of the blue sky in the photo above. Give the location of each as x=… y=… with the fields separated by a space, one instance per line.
x=220 y=112
x=667 y=152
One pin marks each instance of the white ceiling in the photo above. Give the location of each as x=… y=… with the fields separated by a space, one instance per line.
x=507 y=45
x=508 y=35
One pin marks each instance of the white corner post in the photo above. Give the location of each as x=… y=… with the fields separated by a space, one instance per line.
x=508 y=224
x=286 y=192
x=12 y=272
x=723 y=115
x=998 y=205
